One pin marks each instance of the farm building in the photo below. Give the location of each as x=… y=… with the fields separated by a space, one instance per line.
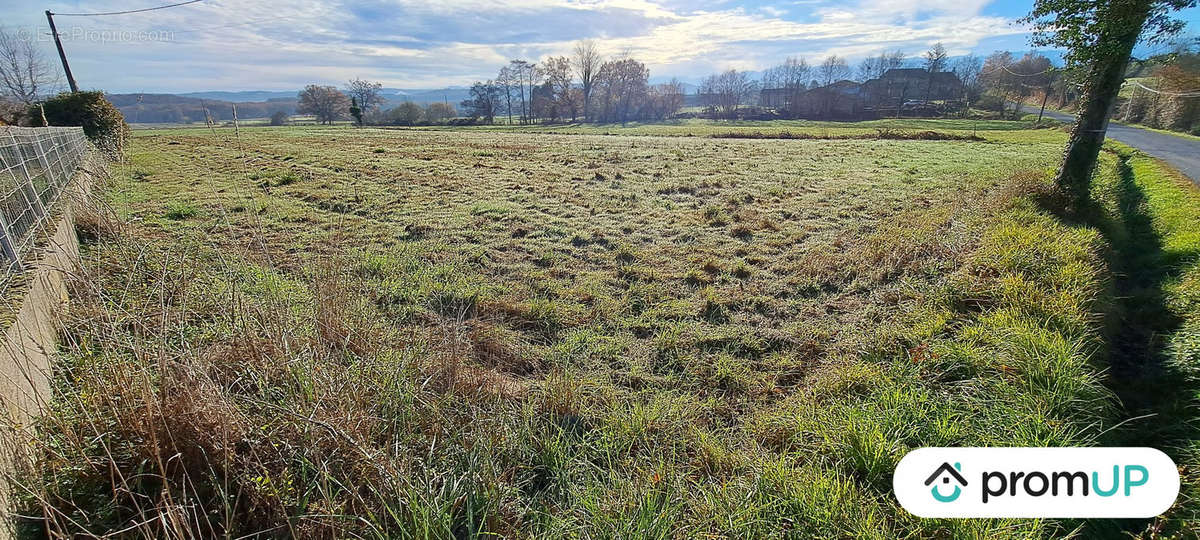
x=849 y=99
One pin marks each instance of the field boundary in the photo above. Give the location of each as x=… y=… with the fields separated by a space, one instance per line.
x=31 y=333
x=38 y=165
x=29 y=341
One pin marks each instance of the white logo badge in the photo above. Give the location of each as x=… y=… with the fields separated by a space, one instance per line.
x=1036 y=482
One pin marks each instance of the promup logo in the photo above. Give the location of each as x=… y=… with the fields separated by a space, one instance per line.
x=946 y=473
x=1036 y=482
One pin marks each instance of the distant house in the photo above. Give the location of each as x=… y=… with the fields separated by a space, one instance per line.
x=849 y=99
x=841 y=100
x=779 y=98
x=899 y=85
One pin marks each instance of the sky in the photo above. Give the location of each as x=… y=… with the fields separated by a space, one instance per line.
x=283 y=45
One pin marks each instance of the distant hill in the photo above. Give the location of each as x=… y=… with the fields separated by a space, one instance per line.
x=174 y=109
x=242 y=97
x=189 y=107
x=453 y=94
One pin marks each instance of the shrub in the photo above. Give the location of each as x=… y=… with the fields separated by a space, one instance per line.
x=990 y=102
x=279 y=118
x=11 y=112
x=102 y=122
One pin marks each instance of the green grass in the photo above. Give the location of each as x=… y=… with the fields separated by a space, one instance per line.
x=530 y=334
x=1151 y=215
x=705 y=128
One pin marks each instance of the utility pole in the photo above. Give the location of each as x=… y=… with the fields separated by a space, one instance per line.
x=61 y=54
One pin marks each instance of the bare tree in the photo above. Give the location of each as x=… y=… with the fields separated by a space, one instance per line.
x=485 y=101
x=586 y=61
x=968 y=69
x=935 y=61
x=368 y=95
x=557 y=71
x=324 y=102
x=1034 y=73
x=665 y=99
x=892 y=60
x=867 y=69
x=998 y=76
x=935 y=58
x=506 y=83
x=789 y=78
x=532 y=78
x=525 y=75
x=624 y=84
x=833 y=69
x=723 y=93
x=792 y=73
x=24 y=72
x=876 y=66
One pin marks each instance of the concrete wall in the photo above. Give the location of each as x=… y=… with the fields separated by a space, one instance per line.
x=27 y=346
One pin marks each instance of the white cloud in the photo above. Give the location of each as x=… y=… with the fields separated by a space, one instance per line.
x=223 y=44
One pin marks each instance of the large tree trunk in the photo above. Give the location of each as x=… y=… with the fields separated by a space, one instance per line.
x=1104 y=79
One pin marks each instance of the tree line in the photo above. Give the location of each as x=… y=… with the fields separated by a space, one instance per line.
x=728 y=94
x=993 y=83
x=586 y=86
x=1166 y=92
x=363 y=101
x=583 y=86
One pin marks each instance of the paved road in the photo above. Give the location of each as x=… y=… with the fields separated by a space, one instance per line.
x=1181 y=152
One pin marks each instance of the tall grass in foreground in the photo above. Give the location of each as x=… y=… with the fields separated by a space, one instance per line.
x=204 y=394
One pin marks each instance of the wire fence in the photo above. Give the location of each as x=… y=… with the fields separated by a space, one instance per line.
x=36 y=165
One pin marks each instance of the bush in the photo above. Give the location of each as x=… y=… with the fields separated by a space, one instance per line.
x=990 y=102
x=11 y=112
x=102 y=122
x=279 y=118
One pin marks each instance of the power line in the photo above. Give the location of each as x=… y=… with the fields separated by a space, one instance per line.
x=1189 y=93
x=62 y=55
x=126 y=12
x=209 y=28
x=1011 y=72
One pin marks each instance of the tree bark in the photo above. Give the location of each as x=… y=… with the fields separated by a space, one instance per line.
x=1104 y=79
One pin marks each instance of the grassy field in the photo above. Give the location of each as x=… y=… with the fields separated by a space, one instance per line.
x=996 y=129
x=327 y=332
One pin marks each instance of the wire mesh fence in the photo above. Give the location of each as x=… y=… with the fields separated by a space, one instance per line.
x=36 y=165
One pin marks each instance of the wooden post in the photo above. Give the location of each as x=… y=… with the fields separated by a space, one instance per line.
x=62 y=55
